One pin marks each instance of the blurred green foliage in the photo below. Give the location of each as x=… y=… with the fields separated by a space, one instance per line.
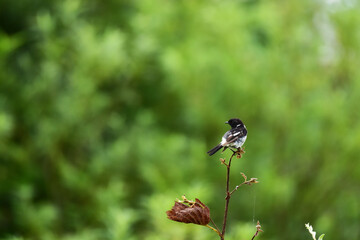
x=107 y=110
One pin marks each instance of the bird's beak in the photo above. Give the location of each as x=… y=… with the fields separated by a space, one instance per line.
x=226 y=122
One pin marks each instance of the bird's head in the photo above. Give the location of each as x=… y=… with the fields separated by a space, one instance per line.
x=235 y=122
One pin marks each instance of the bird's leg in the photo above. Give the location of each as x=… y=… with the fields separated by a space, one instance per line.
x=224 y=149
x=232 y=150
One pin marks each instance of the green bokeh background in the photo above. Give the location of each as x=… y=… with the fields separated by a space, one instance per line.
x=107 y=110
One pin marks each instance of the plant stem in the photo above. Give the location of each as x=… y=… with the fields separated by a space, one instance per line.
x=218 y=231
x=236 y=188
x=257 y=232
x=227 y=198
x=215 y=230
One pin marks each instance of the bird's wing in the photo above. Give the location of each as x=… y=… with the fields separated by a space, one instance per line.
x=233 y=135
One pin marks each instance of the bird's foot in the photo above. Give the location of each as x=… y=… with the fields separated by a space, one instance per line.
x=239 y=152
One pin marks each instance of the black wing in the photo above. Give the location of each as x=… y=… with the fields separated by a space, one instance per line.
x=234 y=134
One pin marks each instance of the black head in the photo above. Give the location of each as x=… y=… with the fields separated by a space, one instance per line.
x=235 y=122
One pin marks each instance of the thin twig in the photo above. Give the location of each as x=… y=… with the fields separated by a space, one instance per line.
x=255 y=235
x=215 y=230
x=227 y=198
x=237 y=187
x=247 y=182
x=258 y=229
x=218 y=231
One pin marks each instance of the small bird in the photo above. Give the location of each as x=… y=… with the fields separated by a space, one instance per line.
x=234 y=138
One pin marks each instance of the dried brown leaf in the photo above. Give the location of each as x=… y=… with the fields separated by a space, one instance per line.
x=197 y=213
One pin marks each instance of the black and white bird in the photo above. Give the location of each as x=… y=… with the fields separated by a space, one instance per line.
x=234 y=138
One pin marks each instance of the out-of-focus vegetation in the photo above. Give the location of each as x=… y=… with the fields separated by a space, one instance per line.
x=107 y=109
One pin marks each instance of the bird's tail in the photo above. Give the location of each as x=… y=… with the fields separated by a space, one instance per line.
x=215 y=149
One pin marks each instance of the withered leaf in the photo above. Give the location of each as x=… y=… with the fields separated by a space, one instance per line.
x=197 y=213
